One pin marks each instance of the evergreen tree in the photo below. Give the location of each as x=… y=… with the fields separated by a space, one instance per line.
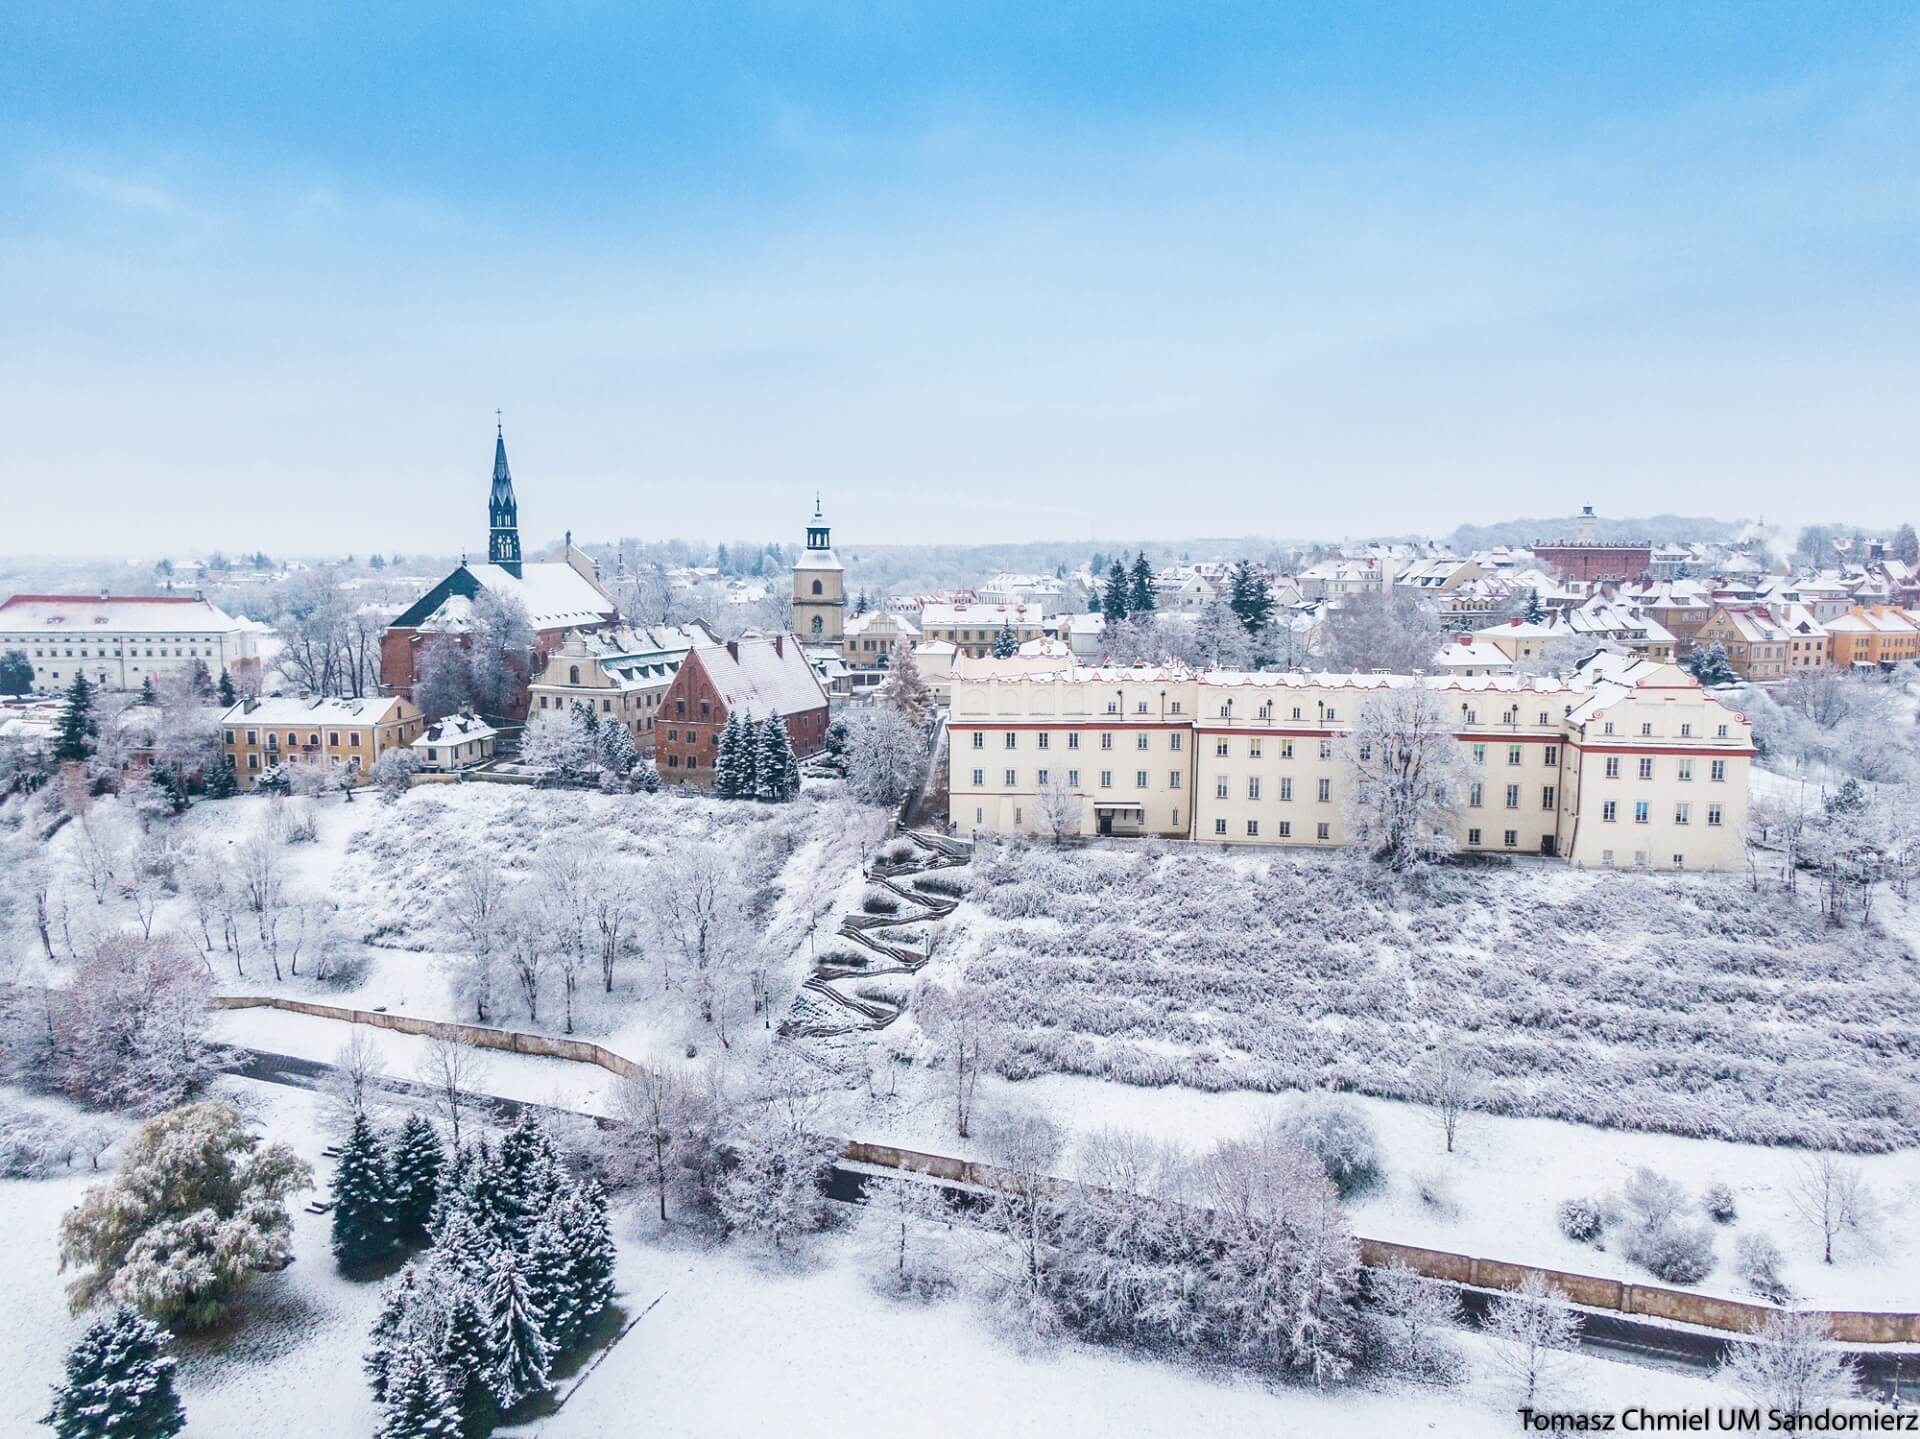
x=590 y=1235
x=225 y=690
x=363 y=1219
x=517 y=1347
x=527 y=1174
x=1249 y=598
x=733 y=760
x=1536 y=612
x=119 y=1384
x=147 y=695
x=199 y=680
x=1140 y=594
x=776 y=767
x=414 y=1166
x=644 y=776
x=549 y=1268
x=418 y=1404
x=860 y=605
x=618 y=752
x=1006 y=644
x=390 y=1329
x=16 y=673
x=77 y=724
x=493 y=1212
x=1115 y=606
x=1710 y=666
x=465 y=1360
x=1850 y=798
x=1906 y=545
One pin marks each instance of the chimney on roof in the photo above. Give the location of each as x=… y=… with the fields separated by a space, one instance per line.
x=733 y=649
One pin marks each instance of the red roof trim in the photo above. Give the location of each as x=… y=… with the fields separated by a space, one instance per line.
x=102 y=600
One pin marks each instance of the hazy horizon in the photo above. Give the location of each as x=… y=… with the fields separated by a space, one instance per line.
x=976 y=277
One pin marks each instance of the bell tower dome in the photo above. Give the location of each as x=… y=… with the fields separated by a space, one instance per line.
x=819 y=587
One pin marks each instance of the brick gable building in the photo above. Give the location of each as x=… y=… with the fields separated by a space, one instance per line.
x=757 y=675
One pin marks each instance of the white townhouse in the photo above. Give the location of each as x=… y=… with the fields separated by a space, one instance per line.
x=120 y=641
x=1636 y=766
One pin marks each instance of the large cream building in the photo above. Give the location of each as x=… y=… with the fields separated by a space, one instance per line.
x=1635 y=767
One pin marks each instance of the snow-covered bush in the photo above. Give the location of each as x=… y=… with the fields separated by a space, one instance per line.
x=1334 y=1130
x=942 y=884
x=1718 y=1202
x=880 y=901
x=1581 y=1220
x=1758 y=1261
x=1435 y=1190
x=35 y=1146
x=131 y=1024
x=1791 y=1367
x=393 y=773
x=1407 y=1327
x=1678 y=1253
x=1650 y=1201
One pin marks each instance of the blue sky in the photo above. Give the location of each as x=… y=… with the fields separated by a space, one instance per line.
x=1019 y=271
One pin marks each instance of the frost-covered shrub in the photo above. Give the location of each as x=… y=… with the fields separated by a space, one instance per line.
x=880 y=901
x=846 y=959
x=1581 y=1220
x=34 y=1146
x=939 y=882
x=1650 y=1201
x=1334 y=1131
x=1719 y=1204
x=897 y=851
x=1757 y=1260
x=1677 y=1253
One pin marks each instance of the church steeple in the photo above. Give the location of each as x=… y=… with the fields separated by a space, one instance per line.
x=503 y=514
x=817 y=531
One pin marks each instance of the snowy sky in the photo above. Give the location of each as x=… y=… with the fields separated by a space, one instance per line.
x=1021 y=271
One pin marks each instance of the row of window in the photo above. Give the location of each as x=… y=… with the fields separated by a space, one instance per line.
x=1176 y=740
x=1142 y=779
x=116 y=653
x=1642 y=813
x=1716 y=769
x=1322 y=830
x=293 y=739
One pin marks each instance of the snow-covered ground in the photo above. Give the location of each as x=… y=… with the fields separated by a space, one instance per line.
x=740 y=1345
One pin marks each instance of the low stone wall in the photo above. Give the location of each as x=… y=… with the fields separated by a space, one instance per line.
x=1851 y=1326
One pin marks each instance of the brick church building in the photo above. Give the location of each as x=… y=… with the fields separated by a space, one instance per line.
x=758 y=675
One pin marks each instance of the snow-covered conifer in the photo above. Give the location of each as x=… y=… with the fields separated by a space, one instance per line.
x=516 y=1331
x=777 y=768
x=414 y=1163
x=363 y=1218
x=464 y=1357
x=584 y=1221
x=119 y=1383
x=418 y=1404
x=391 y=1327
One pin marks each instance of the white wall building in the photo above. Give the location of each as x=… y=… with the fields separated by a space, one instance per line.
x=119 y=642
x=1637 y=768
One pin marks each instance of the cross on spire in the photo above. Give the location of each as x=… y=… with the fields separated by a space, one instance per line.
x=498 y=427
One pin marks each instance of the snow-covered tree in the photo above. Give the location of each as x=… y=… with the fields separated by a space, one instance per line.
x=734 y=759
x=617 y=752
x=900 y=1213
x=1023 y=1214
x=452 y=1071
x=1249 y=599
x=119 y=1383
x=442 y=678
x=581 y=1214
x=363 y=1217
x=475 y=902
x=16 y=673
x=886 y=757
x=130 y=1027
x=776 y=767
x=1709 y=664
x=558 y=743
x=1408 y=1324
x=774 y=1189
x=1829 y=1197
x=644 y=777
x=393 y=772
x=196 y=1210
x=958 y=1021
x=464 y=1359
x=1534 y=1334
x=1451 y=1082
x=1006 y=644
x=1115 y=598
x=1222 y=639
x=414 y=1161
x=418 y=1403
x=905 y=688
x=1059 y=808
x=1406 y=778
x=1391 y=629
x=499 y=650
x=699 y=912
x=654 y=1105
x=516 y=1339
x=1141 y=598
x=1282 y=1292
x=79 y=728
x=1790 y=1365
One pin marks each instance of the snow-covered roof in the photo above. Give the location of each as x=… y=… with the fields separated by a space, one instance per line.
x=978 y=615
x=454 y=729
x=1467 y=652
x=860 y=624
x=555 y=593
x=761 y=675
x=1752 y=623
x=291 y=709
x=129 y=614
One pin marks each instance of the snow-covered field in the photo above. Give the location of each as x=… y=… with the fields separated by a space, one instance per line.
x=1688 y=1004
